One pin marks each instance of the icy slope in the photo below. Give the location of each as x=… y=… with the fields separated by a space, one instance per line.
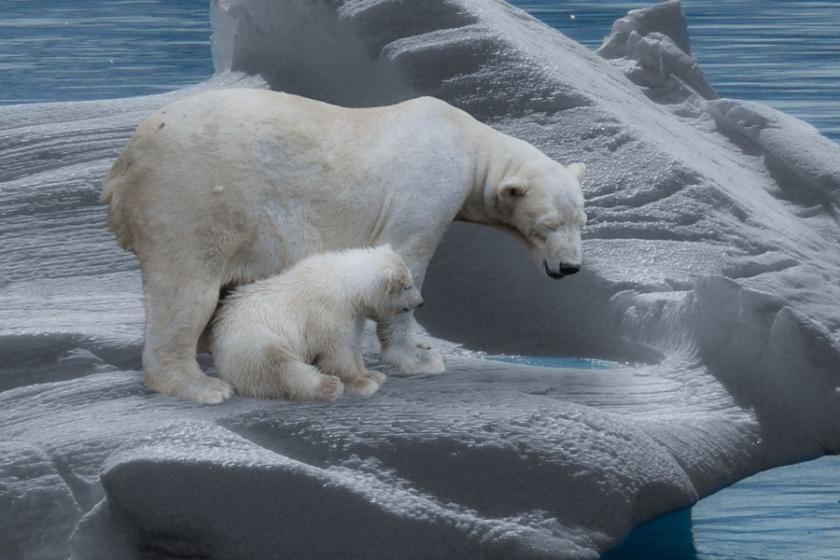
x=711 y=264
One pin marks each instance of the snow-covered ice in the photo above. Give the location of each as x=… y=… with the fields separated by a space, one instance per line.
x=710 y=276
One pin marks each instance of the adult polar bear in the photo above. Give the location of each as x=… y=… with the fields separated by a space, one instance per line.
x=233 y=185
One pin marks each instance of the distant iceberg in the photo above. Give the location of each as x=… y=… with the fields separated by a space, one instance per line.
x=710 y=277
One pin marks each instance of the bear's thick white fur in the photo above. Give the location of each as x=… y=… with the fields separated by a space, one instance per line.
x=235 y=185
x=297 y=335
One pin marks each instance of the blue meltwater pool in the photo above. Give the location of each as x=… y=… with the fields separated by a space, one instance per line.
x=554 y=362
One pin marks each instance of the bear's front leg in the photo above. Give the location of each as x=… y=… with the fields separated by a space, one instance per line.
x=402 y=349
x=363 y=372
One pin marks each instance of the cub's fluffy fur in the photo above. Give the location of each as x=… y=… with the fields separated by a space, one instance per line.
x=297 y=335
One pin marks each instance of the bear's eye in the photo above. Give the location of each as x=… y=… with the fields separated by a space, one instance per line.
x=406 y=288
x=537 y=233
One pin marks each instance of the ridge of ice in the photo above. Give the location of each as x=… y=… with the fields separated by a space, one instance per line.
x=654 y=41
x=666 y=18
x=710 y=267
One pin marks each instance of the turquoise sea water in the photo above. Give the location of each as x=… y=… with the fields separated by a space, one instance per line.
x=786 y=53
x=550 y=361
x=787 y=513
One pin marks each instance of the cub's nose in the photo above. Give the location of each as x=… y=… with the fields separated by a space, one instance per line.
x=419 y=305
x=565 y=270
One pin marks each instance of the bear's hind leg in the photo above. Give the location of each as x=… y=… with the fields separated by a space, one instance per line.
x=176 y=314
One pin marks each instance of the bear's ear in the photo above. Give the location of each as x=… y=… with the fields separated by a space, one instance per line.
x=577 y=169
x=512 y=191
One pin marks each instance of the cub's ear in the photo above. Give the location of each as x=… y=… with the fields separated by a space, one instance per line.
x=392 y=280
x=511 y=191
x=577 y=169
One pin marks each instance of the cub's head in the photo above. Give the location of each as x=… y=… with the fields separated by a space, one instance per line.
x=395 y=289
x=542 y=204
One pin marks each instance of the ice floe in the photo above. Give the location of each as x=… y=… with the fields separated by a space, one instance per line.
x=710 y=275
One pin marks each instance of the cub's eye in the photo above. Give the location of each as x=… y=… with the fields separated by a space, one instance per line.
x=406 y=288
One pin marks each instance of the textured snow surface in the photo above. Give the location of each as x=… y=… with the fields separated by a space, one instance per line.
x=711 y=267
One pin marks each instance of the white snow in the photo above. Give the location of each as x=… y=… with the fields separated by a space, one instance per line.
x=711 y=266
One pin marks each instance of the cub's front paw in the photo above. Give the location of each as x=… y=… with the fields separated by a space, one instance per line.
x=330 y=388
x=375 y=376
x=362 y=386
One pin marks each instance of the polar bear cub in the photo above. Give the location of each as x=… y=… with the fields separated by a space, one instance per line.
x=297 y=335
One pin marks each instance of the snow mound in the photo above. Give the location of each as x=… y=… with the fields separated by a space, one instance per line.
x=805 y=162
x=710 y=273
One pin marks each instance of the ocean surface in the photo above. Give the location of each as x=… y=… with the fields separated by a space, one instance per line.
x=99 y=49
x=787 y=513
x=785 y=53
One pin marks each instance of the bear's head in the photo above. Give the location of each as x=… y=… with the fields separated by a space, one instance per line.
x=395 y=291
x=543 y=204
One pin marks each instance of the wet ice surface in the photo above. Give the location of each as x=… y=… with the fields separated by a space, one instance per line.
x=710 y=256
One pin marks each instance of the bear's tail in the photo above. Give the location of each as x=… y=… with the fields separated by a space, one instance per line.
x=114 y=187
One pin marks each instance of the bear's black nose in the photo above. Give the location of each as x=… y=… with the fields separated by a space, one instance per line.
x=570 y=269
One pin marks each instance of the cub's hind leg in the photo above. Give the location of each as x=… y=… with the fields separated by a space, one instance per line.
x=283 y=376
x=349 y=366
